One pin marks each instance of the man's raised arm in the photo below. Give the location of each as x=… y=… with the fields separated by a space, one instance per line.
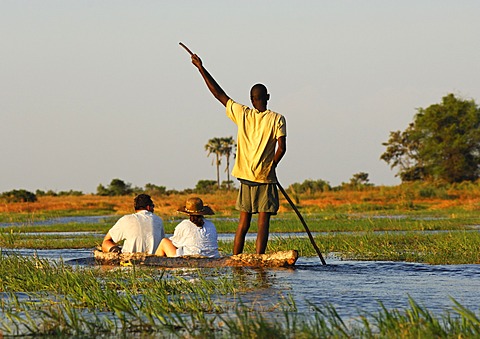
x=212 y=85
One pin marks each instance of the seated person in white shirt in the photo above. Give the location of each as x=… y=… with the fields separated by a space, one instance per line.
x=141 y=231
x=195 y=236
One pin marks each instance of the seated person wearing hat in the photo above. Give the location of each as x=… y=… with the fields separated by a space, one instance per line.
x=196 y=236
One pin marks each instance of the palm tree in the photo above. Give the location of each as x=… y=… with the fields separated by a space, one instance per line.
x=214 y=146
x=228 y=145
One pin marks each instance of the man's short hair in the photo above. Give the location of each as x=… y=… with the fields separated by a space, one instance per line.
x=260 y=87
x=141 y=202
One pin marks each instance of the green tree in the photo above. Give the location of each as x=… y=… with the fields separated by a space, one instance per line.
x=102 y=190
x=116 y=187
x=19 y=196
x=215 y=146
x=402 y=152
x=205 y=186
x=119 y=187
x=358 y=181
x=70 y=193
x=49 y=193
x=443 y=143
x=360 y=178
x=310 y=186
x=228 y=146
x=152 y=189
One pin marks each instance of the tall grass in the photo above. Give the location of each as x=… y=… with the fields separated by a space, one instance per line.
x=288 y=222
x=350 y=218
x=455 y=247
x=418 y=322
x=446 y=247
x=57 y=298
x=47 y=241
x=41 y=298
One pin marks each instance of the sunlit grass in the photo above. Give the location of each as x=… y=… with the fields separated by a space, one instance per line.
x=443 y=247
x=41 y=297
x=48 y=241
x=351 y=222
x=417 y=197
x=456 y=247
x=44 y=298
x=61 y=206
x=288 y=222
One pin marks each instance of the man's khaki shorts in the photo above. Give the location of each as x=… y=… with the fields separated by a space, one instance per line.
x=258 y=198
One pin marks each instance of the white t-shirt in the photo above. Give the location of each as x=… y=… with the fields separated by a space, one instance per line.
x=193 y=240
x=142 y=232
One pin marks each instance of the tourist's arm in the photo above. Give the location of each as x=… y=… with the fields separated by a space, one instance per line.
x=281 y=150
x=212 y=85
x=108 y=245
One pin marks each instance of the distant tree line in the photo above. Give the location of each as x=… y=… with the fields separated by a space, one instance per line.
x=118 y=187
x=359 y=181
x=50 y=193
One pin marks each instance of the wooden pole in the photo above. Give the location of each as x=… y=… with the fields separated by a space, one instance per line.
x=186 y=48
x=303 y=222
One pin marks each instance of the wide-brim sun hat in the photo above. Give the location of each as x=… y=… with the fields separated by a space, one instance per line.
x=195 y=206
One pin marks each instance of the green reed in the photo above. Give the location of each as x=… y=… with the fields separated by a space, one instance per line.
x=335 y=222
x=48 y=241
x=351 y=236
x=453 y=247
x=101 y=226
x=30 y=217
x=61 y=295
x=288 y=222
x=418 y=322
x=354 y=223
x=41 y=297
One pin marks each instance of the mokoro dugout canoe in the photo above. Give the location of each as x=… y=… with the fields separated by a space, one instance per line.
x=277 y=259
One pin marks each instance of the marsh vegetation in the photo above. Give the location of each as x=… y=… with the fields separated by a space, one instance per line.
x=41 y=297
x=408 y=223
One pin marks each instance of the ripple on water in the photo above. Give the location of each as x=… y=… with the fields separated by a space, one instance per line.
x=351 y=284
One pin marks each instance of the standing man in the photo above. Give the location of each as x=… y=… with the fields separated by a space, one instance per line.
x=141 y=231
x=261 y=144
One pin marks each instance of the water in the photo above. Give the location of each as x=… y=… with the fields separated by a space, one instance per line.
x=353 y=285
x=357 y=287
x=350 y=286
x=62 y=220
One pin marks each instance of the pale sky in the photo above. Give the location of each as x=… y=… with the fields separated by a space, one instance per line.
x=96 y=90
